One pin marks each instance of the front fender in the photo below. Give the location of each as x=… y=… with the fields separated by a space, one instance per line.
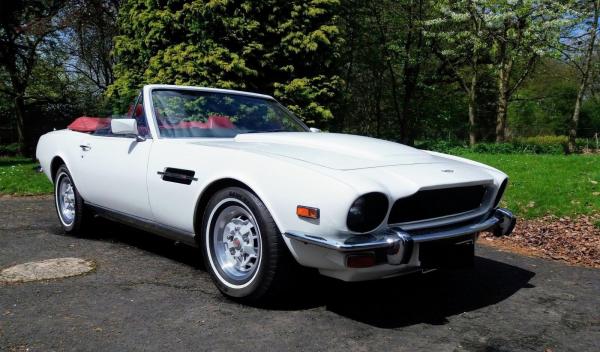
x=279 y=183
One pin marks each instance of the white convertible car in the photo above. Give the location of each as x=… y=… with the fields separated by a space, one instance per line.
x=243 y=179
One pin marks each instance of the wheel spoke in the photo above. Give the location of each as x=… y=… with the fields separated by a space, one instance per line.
x=249 y=249
x=249 y=260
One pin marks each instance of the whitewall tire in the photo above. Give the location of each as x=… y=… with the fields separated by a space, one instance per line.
x=243 y=249
x=70 y=208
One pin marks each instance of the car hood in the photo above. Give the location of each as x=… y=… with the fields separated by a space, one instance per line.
x=330 y=150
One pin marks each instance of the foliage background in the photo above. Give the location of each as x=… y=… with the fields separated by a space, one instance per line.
x=403 y=70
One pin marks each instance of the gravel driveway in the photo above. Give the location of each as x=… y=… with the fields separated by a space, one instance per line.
x=148 y=294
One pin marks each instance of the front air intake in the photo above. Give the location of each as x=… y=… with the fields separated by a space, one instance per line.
x=435 y=203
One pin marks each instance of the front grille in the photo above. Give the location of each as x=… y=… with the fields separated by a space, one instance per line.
x=434 y=203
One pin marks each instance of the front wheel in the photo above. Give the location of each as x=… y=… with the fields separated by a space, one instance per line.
x=242 y=247
x=71 y=211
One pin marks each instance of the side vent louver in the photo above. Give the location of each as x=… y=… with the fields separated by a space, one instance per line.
x=175 y=175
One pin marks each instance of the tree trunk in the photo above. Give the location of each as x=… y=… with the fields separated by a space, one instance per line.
x=501 y=117
x=411 y=73
x=473 y=111
x=584 y=79
x=399 y=115
x=503 y=96
x=410 y=77
x=390 y=67
x=22 y=132
x=378 y=112
x=575 y=118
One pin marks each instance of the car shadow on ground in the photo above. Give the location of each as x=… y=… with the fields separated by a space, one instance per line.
x=392 y=303
x=106 y=230
x=427 y=298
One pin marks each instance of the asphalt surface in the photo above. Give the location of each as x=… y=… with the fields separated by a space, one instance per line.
x=148 y=294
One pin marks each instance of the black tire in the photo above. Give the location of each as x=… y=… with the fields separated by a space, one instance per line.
x=81 y=216
x=271 y=273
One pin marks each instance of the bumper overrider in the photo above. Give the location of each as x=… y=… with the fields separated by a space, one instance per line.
x=396 y=246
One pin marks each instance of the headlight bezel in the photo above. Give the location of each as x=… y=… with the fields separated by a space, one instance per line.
x=367 y=212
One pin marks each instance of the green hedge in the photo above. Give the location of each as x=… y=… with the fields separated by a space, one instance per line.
x=521 y=145
x=9 y=149
x=442 y=146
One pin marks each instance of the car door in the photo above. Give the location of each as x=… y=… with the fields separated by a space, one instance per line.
x=113 y=169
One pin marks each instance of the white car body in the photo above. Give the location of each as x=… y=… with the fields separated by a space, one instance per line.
x=328 y=171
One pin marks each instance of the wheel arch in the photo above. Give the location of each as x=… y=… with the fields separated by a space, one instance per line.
x=56 y=162
x=213 y=188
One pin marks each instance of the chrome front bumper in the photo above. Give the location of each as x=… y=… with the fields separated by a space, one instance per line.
x=399 y=243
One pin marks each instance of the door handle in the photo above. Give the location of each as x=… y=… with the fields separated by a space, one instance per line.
x=84 y=147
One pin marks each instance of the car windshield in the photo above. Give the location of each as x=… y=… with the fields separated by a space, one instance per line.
x=193 y=113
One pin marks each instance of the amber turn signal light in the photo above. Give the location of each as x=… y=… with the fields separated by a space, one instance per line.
x=307 y=212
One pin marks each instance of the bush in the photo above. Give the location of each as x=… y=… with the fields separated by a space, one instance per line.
x=442 y=146
x=495 y=148
x=521 y=145
x=587 y=144
x=542 y=144
x=9 y=149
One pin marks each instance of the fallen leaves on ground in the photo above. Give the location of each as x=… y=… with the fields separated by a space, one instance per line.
x=573 y=240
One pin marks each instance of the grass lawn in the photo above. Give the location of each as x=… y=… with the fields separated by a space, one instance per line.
x=539 y=184
x=548 y=184
x=18 y=176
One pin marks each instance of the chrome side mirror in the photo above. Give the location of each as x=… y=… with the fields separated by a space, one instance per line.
x=314 y=130
x=126 y=127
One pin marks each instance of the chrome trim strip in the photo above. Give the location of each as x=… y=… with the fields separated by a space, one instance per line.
x=443 y=220
x=459 y=231
x=354 y=243
x=391 y=237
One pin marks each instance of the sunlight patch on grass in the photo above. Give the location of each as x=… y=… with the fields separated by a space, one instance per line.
x=548 y=184
x=18 y=176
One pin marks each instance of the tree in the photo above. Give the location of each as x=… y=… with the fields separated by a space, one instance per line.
x=89 y=40
x=591 y=15
x=26 y=28
x=384 y=67
x=521 y=32
x=460 y=42
x=278 y=47
x=544 y=104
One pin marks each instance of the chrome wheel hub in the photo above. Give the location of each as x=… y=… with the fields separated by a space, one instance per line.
x=66 y=199
x=236 y=242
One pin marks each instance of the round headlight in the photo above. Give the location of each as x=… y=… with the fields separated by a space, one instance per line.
x=367 y=212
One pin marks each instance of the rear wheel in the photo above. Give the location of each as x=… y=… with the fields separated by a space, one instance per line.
x=243 y=249
x=70 y=208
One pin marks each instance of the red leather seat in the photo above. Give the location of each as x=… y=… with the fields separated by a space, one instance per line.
x=219 y=121
x=139 y=111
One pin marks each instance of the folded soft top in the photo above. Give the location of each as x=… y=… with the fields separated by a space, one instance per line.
x=89 y=124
